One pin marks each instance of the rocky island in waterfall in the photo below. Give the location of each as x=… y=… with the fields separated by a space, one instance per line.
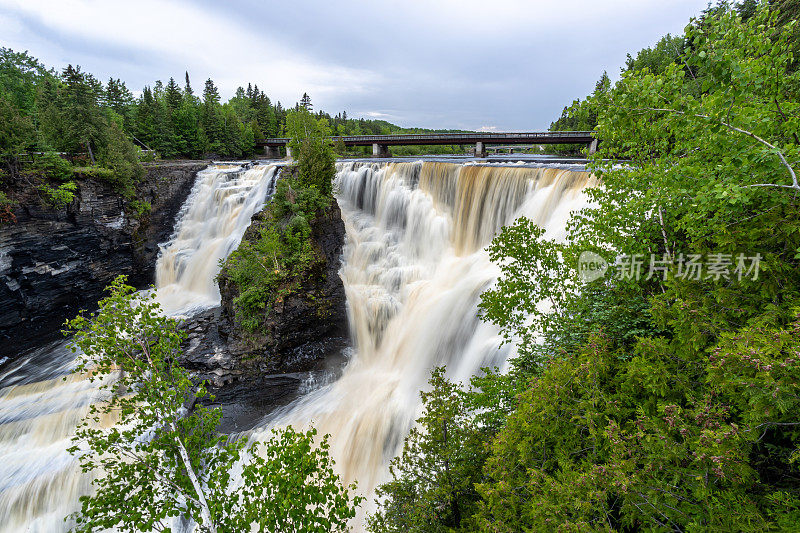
x=438 y=297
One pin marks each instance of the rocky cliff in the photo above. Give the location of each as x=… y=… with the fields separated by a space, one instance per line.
x=302 y=332
x=55 y=262
x=296 y=327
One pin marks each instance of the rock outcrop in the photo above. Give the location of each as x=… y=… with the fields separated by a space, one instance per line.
x=301 y=338
x=296 y=329
x=54 y=263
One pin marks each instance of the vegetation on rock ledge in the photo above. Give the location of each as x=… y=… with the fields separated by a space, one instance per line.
x=274 y=264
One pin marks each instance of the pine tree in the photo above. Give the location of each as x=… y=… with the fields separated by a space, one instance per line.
x=172 y=95
x=188 y=86
x=305 y=101
x=79 y=111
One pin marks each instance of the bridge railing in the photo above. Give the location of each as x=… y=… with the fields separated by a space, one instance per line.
x=454 y=138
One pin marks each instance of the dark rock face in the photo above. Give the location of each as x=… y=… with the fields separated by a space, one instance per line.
x=295 y=324
x=55 y=263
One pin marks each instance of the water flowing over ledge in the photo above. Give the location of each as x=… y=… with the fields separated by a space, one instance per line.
x=414 y=268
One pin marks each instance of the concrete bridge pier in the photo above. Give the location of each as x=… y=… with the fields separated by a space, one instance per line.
x=272 y=152
x=593 y=147
x=480 y=149
x=380 y=150
x=289 y=152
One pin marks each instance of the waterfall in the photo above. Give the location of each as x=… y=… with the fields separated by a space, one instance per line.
x=39 y=480
x=414 y=268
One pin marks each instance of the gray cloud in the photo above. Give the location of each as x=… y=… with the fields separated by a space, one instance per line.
x=505 y=64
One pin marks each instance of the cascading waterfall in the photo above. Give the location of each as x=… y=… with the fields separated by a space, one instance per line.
x=39 y=481
x=414 y=268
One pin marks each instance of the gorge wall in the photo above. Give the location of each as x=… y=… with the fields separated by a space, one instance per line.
x=54 y=263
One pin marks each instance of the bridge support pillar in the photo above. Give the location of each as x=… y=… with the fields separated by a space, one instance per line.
x=380 y=150
x=593 y=147
x=480 y=149
x=272 y=152
x=510 y=150
x=288 y=152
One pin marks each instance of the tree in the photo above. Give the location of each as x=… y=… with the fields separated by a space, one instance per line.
x=432 y=486
x=187 y=88
x=681 y=419
x=119 y=155
x=305 y=102
x=160 y=461
x=76 y=119
x=212 y=120
x=310 y=139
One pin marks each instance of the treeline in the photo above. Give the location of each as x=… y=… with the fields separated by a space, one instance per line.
x=663 y=395
x=72 y=111
x=582 y=115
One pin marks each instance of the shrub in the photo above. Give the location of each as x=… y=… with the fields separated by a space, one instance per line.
x=54 y=166
x=140 y=207
x=58 y=197
x=6 y=210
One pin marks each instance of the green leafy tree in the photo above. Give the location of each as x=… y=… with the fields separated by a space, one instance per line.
x=432 y=486
x=157 y=462
x=310 y=140
x=120 y=155
x=683 y=419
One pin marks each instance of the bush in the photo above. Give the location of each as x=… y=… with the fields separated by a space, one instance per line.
x=54 y=166
x=97 y=173
x=140 y=207
x=58 y=197
x=6 y=210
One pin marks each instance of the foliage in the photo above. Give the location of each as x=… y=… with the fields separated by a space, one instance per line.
x=54 y=166
x=314 y=153
x=120 y=156
x=7 y=215
x=140 y=207
x=160 y=461
x=432 y=486
x=280 y=257
x=58 y=197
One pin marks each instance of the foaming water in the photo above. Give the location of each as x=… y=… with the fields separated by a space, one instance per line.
x=40 y=481
x=211 y=225
x=414 y=268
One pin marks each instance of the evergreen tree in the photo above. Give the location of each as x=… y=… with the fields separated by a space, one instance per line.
x=78 y=104
x=188 y=86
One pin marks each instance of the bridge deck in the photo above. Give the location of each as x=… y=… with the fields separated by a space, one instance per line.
x=541 y=137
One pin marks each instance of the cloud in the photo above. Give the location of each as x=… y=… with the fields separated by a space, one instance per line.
x=180 y=34
x=430 y=63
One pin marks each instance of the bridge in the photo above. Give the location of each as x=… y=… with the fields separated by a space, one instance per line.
x=381 y=143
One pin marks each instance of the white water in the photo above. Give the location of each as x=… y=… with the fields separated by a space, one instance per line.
x=413 y=268
x=39 y=480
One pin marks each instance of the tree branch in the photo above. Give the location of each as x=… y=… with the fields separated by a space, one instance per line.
x=795 y=185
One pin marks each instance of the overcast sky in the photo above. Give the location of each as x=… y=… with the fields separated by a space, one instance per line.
x=500 y=65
